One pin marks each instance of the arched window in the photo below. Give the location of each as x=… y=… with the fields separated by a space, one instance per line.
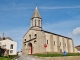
x=25 y=39
x=54 y=42
x=29 y=36
x=47 y=41
x=39 y=23
x=24 y=44
x=60 y=43
x=35 y=35
x=35 y=41
x=35 y=22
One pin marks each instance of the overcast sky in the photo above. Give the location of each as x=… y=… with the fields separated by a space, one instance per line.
x=58 y=16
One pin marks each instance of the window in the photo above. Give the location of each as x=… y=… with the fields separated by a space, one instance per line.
x=11 y=51
x=30 y=36
x=35 y=35
x=47 y=41
x=11 y=47
x=60 y=43
x=69 y=46
x=24 y=44
x=3 y=46
x=54 y=42
x=35 y=22
x=65 y=44
x=39 y=22
x=35 y=41
x=25 y=39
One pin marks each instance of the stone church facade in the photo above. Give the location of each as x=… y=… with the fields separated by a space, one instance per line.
x=34 y=40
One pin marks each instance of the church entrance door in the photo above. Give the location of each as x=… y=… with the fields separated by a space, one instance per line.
x=30 y=45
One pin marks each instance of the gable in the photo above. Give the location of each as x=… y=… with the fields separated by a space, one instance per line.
x=31 y=31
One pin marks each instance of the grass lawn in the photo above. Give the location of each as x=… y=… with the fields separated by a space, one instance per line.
x=8 y=58
x=56 y=54
x=4 y=58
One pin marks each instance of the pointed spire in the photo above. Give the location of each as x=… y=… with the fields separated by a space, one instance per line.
x=36 y=13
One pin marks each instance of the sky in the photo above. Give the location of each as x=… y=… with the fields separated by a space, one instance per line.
x=58 y=16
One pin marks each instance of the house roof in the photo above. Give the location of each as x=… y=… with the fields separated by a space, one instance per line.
x=78 y=47
x=36 y=13
x=50 y=33
x=0 y=38
x=56 y=34
x=5 y=38
x=8 y=38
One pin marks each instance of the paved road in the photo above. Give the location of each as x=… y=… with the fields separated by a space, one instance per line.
x=27 y=57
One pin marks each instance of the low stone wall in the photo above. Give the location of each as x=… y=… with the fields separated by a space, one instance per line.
x=63 y=58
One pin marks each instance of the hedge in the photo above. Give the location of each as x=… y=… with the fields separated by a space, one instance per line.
x=56 y=54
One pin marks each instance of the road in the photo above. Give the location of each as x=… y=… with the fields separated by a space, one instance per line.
x=28 y=57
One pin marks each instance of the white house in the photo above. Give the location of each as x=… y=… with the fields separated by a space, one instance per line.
x=8 y=43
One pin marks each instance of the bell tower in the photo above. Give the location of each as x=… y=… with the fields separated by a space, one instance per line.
x=36 y=20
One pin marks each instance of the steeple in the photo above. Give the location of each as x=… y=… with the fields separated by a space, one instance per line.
x=36 y=20
x=36 y=13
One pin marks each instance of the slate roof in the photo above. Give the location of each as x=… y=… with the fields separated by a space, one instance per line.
x=78 y=47
x=5 y=38
x=56 y=34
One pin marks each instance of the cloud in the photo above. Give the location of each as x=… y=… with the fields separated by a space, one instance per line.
x=61 y=24
x=66 y=7
x=63 y=27
x=76 y=31
x=75 y=35
x=46 y=23
x=43 y=7
x=18 y=8
x=15 y=6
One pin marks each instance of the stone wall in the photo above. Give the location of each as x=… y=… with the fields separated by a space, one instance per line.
x=63 y=58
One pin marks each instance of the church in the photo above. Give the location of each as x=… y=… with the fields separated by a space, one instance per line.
x=37 y=40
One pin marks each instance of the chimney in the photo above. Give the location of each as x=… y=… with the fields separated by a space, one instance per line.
x=3 y=36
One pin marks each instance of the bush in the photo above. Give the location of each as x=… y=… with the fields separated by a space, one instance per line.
x=56 y=54
x=12 y=56
x=8 y=58
x=73 y=54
